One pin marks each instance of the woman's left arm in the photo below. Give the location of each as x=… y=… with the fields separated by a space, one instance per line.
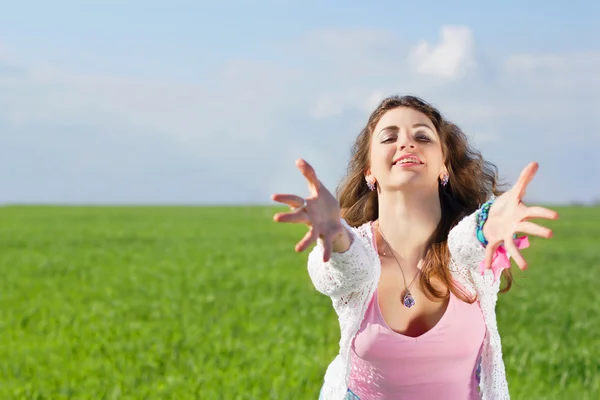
x=506 y=216
x=464 y=247
x=509 y=216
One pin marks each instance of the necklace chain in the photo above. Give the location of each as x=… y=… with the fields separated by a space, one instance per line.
x=398 y=262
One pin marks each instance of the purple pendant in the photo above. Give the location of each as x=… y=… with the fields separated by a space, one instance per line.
x=408 y=300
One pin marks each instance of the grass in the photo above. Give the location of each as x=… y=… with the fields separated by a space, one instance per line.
x=213 y=303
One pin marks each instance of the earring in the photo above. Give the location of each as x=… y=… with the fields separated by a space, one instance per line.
x=445 y=179
x=371 y=185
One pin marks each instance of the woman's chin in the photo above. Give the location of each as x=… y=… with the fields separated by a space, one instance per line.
x=408 y=185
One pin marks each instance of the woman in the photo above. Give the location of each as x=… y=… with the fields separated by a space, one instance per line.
x=411 y=257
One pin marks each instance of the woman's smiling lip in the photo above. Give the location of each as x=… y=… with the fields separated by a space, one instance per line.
x=412 y=160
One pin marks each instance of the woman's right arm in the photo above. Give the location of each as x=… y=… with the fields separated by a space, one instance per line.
x=339 y=262
x=348 y=268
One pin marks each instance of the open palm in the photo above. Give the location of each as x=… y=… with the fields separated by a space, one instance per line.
x=320 y=212
x=509 y=215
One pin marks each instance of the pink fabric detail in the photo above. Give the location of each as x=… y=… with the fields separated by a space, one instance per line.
x=500 y=261
x=439 y=364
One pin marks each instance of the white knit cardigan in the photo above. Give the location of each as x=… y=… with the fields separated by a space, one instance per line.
x=350 y=279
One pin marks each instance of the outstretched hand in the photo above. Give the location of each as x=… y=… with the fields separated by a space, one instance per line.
x=508 y=215
x=320 y=211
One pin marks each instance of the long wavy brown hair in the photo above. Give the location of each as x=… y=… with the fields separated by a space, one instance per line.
x=472 y=181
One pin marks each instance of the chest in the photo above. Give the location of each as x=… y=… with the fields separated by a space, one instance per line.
x=423 y=315
x=440 y=362
x=457 y=334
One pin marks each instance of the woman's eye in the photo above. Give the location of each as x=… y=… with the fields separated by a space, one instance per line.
x=388 y=139
x=423 y=138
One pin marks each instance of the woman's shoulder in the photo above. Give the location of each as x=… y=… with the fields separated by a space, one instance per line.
x=363 y=230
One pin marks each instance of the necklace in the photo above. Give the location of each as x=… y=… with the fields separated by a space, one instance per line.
x=408 y=300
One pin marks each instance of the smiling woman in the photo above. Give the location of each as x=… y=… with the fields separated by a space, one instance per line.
x=410 y=254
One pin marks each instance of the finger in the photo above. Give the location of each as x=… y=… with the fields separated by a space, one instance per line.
x=310 y=237
x=533 y=229
x=327 y=245
x=298 y=216
x=290 y=199
x=540 y=212
x=515 y=254
x=489 y=254
x=310 y=175
x=525 y=178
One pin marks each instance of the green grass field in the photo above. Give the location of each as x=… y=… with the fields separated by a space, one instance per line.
x=213 y=303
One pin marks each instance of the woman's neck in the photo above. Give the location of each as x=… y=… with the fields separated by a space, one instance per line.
x=408 y=221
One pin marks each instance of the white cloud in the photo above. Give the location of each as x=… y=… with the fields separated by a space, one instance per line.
x=236 y=104
x=373 y=100
x=450 y=58
x=109 y=132
x=332 y=105
x=554 y=62
x=347 y=41
x=564 y=73
x=326 y=106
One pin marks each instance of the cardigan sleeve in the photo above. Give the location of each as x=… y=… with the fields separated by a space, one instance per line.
x=345 y=272
x=465 y=248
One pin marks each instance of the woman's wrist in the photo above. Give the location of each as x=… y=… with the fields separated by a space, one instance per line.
x=483 y=222
x=482 y=217
x=342 y=241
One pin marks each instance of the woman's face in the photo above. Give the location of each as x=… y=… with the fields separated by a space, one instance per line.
x=406 y=151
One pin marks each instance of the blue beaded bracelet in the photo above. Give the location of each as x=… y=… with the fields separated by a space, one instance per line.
x=482 y=216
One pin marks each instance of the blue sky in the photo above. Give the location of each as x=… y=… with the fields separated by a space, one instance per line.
x=193 y=102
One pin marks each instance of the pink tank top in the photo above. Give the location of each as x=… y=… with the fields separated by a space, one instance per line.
x=440 y=364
